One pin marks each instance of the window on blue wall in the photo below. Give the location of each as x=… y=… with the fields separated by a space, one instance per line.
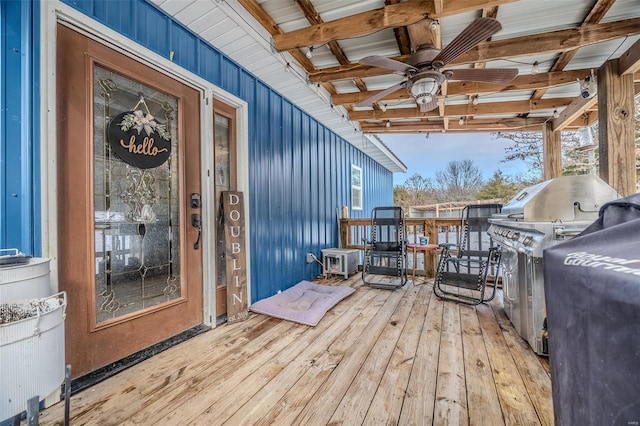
x=356 y=187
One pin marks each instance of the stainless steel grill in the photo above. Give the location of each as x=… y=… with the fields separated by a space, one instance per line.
x=539 y=217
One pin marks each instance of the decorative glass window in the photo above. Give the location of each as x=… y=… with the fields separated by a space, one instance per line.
x=356 y=188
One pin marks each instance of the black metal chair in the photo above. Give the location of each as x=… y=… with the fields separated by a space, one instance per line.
x=385 y=253
x=462 y=274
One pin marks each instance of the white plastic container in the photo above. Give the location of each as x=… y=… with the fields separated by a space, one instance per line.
x=32 y=354
x=28 y=281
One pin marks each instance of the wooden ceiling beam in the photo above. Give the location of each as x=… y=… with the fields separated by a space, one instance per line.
x=401 y=34
x=421 y=34
x=629 y=61
x=314 y=18
x=512 y=107
x=521 y=82
x=551 y=42
x=484 y=125
x=394 y=15
x=595 y=15
x=390 y=16
x=574 y=111
x=487 y=12
x=555 y=41
x=270 y=25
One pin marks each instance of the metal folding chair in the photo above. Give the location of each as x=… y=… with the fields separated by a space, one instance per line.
x=462 y=274
x=385 y=253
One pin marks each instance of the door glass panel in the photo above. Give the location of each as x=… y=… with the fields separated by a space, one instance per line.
x=136 y=210
x=223 y=183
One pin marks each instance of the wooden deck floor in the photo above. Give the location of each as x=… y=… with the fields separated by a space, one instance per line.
x=380 y=357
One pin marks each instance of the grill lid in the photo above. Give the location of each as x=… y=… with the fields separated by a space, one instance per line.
x=563 y=199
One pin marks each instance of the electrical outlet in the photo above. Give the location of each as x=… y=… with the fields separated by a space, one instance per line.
x=309 y=257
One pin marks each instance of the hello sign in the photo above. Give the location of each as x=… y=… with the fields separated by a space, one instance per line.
x=139 y=139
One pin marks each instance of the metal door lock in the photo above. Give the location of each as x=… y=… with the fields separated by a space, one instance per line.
x=195 y=201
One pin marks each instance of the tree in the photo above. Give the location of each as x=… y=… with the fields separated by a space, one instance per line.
x=499 y=186
x=415 y=191
x=528 y=148
x=460 y=181
x=401 y=198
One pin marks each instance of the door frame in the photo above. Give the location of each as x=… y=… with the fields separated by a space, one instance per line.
x=53 y=12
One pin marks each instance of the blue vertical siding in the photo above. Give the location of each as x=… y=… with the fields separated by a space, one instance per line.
x=20 y=218
x=299 y=171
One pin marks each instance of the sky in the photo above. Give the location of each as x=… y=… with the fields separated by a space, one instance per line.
x=427 y=155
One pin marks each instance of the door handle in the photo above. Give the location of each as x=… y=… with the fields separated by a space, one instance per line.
x=196 y=223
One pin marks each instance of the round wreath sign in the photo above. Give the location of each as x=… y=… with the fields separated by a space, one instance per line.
x=138 y=139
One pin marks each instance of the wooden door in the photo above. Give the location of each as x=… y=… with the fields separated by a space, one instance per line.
x=225 y=160
x=128 y=161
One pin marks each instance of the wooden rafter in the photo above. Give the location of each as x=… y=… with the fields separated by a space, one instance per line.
x=594 y=16
x=556 y=41
x=401 y=34
x=487 y=12
x=314 y=18
x=472 y=125
x=630 y=60
x=394 y=15
x=270 y=25
x=464 y=110
x=411 y=21
x=521 y=82
x=572 y=112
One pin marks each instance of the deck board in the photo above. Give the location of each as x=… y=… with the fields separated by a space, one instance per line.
x=379 y=357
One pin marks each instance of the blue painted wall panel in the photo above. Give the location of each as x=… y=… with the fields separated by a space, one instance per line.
x=184 y=45
x=19 y=127
x=299 y=171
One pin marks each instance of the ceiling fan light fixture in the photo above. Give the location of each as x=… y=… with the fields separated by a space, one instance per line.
x=425 y=87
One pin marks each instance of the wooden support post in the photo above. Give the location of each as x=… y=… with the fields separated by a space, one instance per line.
x=430 y=257
x=551 y=152
x=345 y=233
x=616 y=124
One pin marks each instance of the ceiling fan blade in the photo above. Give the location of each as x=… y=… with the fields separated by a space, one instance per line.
x=478 y=31
x=383 y=62
x=372 y=99
x=486 y=75
x=429 y=106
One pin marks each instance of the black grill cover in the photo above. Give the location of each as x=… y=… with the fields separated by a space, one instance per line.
x=592 y=291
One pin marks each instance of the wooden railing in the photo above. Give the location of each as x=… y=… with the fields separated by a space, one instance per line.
x=438 y=230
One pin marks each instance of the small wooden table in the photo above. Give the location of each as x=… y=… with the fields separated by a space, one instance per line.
x=424 y=249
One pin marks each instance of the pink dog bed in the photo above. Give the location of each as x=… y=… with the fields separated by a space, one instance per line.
x=304 y=303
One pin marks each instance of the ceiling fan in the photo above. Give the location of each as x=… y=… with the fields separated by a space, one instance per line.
x=422 y=75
